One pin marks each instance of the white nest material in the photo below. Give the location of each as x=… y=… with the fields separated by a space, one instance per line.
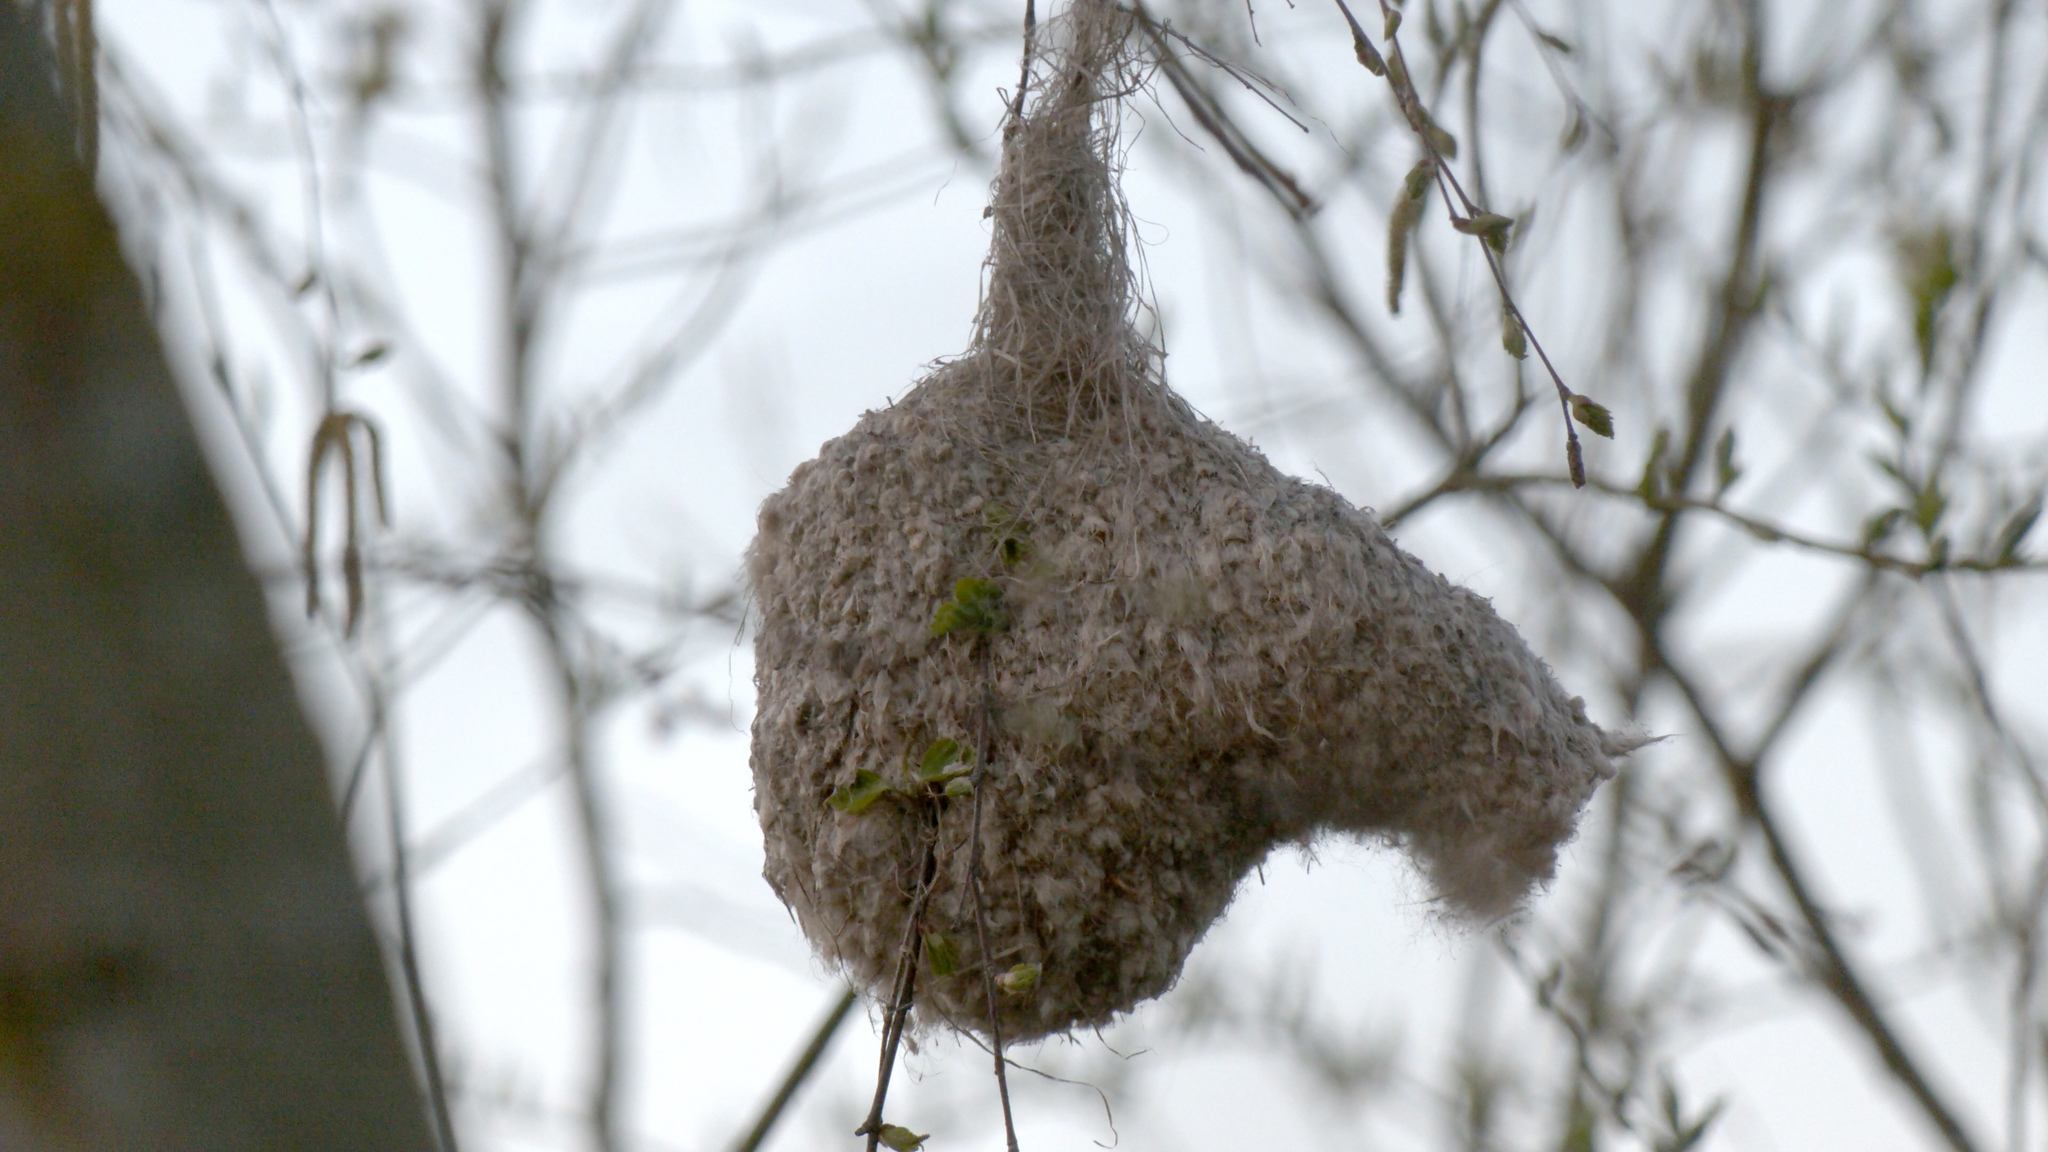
x=1199 y=658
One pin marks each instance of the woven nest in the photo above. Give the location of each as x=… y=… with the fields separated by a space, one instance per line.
x=1172 y=657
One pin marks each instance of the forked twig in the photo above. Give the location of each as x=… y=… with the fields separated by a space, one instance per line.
x=1490 y=228
x=1216 y=122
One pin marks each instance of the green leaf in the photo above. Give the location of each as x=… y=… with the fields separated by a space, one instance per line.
x=854 y=798
x=1726 y=472
x=1651 y=487
x=2015 y=531
x=1928 y=505
x=960 y=786
x=941 y=954
x=1880 y=526
x=1928 y=268
x=943 y=761
x=1512 y=337
x=1899 y=420
x=1019 y=980
x=901 y=1139
x=973 y=609
x=1445 y=143
x=1685 y=1134
x=1574 y=133
x=1894 y=471
x=1597 y=419
x=1393 y=23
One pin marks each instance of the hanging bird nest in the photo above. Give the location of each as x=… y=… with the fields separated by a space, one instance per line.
x=1042 y=596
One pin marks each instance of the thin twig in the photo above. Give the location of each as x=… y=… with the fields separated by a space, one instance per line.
x=1832 y=969
x=408 y=948
x=988 y=975
x=1394 y=67
x=316 y=213
x=1217 y=123
x=1024 y=68
x=821 y=1038
x=904 y=988
x=1463 y=480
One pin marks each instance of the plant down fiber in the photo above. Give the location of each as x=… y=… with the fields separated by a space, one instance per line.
x=1200 y=658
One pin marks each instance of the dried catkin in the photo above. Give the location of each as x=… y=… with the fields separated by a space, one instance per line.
x=1189 y=658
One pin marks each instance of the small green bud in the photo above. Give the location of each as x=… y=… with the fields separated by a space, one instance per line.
x=1597 y=419
x=901 y=1139
x=942 y=954
x=1360 y=46
x=1367 y=54
x=1489 y=226
x=1445 y=143
x=1511 y=336
x=1019 y=980
x=1726 y=471
x=1397 y=74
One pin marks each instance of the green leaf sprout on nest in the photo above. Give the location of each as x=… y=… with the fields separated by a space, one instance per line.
x=973 y=609
x=942 y=954
x=1020 y=980
x=944 y=761
x=854 y=798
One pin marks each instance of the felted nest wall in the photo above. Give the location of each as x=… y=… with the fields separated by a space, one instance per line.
x=1200 y=658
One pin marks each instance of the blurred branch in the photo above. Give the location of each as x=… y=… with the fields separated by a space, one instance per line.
x=1671 y=506
x=1832 y=969
x=799 y=1071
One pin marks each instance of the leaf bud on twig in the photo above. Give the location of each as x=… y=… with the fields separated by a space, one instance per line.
x=1511 y=336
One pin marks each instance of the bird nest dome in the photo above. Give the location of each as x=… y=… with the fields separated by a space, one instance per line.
x=1039 y=597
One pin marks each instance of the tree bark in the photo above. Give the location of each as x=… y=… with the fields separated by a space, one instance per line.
x=184 y=960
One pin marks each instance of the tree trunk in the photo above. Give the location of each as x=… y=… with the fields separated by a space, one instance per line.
x=184 y=961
